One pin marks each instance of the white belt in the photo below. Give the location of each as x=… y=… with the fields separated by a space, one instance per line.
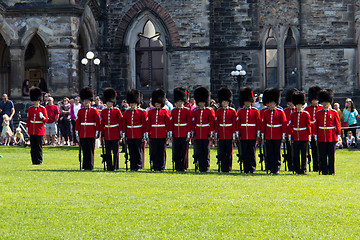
x=134 y=126
x=226 y=125
x=180 y=124
x=88 y=124
x=111 y=126
x=248 y=125
x=203 y=125
x=158 y=125
x=300 y=129
x=36 y=121
x=325 y=128
x=278 y=125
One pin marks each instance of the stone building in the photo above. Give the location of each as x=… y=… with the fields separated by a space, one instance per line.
x=147 y=44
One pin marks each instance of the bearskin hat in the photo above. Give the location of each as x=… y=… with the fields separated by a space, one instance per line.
x=180 y=94
x=265 y=96
x=110 y=95
x=133 y=96
x=289 y=94
x=273 y=95
x=158 y=96
x=86 y=93
x=313 y=93
x=224 y=94
x=35 y=94
x=326 y=95
x=298 y=98
x=201 y=94
x=246 y=95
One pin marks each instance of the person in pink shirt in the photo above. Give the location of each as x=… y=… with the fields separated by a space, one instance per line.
x=51 y=124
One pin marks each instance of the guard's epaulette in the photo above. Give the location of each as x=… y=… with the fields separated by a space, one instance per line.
x=41 y=106
x=232 y=108
x=187 y=108
x=197 y=108
x=141 y=109
x=306 y=112
x=209 y=108
x=319 y=110
x=331 y=109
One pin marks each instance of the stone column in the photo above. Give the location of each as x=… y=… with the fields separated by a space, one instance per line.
x=17 y=71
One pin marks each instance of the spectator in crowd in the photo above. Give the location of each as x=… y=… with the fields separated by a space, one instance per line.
x=9 y=138
x=51 y=124
x=7 y=107
x=350 y=115
x=65 y=122
x=124 y=106
x=43 y=85
x=168 y=104
x=25 y=88
x=46 y=98
x=6 y=130
x=192 y=104
x=350 y=140
x=98 y=104
x=19 y=137
x=150 y=106
x=214 y=105
x=74 y=109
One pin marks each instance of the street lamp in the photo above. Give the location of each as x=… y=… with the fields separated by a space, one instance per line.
x=238 y=75
x=89 y=60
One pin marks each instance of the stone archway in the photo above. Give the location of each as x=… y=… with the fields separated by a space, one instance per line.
x=5 y=80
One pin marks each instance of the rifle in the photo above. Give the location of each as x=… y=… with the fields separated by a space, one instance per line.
x=284 y=155
x=103 y=152
x=261 y=156
x=292 y=158
x=124 y=150
x=309 y=156
x=80 y=154
x=195 y=156
x=239 y=155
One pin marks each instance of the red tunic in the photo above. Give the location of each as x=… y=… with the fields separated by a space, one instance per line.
x=34 y=123
x=288 y=112
x=225 y=123
x=248 y=123
x=135 y=123
x=312 y=111
x=300 y=126
x=180 y=122
x=111 y=123
x=327 y=125
x=273 y=124
x=203 y=122
x=88 y=122
x=158 y=122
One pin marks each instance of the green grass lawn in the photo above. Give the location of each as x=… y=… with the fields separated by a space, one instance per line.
x=57 y=201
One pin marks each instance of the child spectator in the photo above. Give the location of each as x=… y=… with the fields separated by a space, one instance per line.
x=350 y=140
x=19 y=137
x=5 y=127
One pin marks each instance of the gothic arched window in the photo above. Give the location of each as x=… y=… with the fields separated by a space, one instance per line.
x=271 y=60
x=149 y=52
x=290 y=61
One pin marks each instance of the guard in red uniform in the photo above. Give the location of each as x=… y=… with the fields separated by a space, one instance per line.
x=313 y=98
x=87 y=128
x=288 y=111
x=299 y=132
x=111 y=129
x=273 y=130
x=180 y=129
x=225 y=125
x=203 y=128
x=248 y=128
x=36 y=117
x=327 y=132
x=157 y=126
x=134 y=129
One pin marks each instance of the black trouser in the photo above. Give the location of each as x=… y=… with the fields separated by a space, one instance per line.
x=136 y=153
x=327 y=157
x=88 y=147
x=180 y=148
x=65 y=130
x=248 y=150
x=158 y=153
x=112 y=160
x=314 y=154
x=36 y=149
x=273 y=152
x=225 y=152
x=73 y=123
x=203 y=154
x=300 y=147
x=288 y=155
